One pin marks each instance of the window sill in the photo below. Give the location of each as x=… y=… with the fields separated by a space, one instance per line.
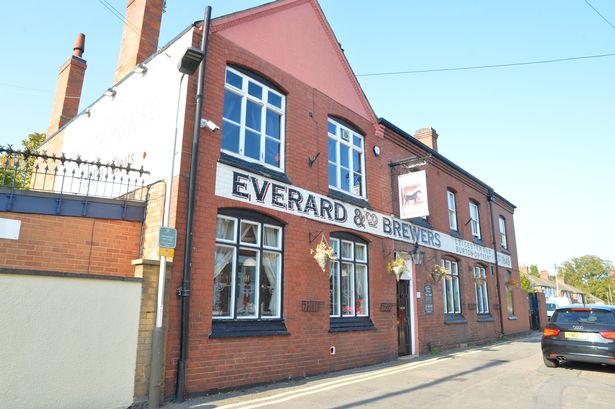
x=351 y=324
x=247 y=328
x=419 y=221
x=478 y=241
x=505 y=250
x=454 y=319
x=484 y=317
x=512 y=317
x=357 y=201
x=456 y=234
x=253 y=167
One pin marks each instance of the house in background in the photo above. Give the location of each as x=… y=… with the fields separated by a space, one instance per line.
x=300 y=159
x=558 y=288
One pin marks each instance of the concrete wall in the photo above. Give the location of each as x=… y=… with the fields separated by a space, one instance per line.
x=67 y=342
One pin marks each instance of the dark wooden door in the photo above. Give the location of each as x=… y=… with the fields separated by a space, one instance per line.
x=403 y=329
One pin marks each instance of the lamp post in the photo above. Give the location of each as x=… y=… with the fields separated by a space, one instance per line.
x=188 y=65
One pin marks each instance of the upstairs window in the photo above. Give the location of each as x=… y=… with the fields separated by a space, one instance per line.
x=474 y=220
x=452 y=210
x=503 y=233
x=253 y=120
x=346 y=159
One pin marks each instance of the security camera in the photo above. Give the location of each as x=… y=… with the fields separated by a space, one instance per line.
x=206 y=123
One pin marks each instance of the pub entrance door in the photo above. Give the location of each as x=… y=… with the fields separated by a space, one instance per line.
x=404 y=309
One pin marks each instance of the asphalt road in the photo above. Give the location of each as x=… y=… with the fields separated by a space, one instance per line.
x=508 y=374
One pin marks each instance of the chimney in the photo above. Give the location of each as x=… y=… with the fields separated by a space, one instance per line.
x=68 y=89
x=544 y=274
x=428 y=136
x=140 y=38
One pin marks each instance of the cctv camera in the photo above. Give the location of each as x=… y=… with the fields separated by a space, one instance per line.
x=206 y=123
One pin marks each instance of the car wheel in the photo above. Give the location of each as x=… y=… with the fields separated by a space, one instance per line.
x=550 y=363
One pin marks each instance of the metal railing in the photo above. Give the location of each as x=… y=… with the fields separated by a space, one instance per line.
x=42 y=172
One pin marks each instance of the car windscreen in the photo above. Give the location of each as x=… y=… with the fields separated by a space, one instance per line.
x=584 y=316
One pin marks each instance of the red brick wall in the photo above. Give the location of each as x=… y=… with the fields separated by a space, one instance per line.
x=230 y=362
x=72 y=245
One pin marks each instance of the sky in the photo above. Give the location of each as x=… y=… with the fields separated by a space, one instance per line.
x=542 y=135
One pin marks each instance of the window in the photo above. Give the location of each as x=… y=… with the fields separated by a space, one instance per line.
x=474 y=220
x=480 y=285
x=348 y=279
x=346 y=159
x=503 y=232
x=253 y=120
x=247 y=269
x=452 y=210
x=450 y=287
x=509 y=296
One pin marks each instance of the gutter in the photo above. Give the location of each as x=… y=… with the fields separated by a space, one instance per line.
x=184 y=290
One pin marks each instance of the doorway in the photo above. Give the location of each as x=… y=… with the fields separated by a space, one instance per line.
x=404 y=336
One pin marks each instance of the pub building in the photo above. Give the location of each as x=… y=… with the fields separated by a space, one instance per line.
x=300 y=164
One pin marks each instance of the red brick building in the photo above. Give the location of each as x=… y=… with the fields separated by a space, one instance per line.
x=301 y=156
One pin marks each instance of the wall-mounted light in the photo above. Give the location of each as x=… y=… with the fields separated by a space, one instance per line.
x=140 y=69
x=417 y=256
x=88 y=112
x=190 y=61
x=110 y=92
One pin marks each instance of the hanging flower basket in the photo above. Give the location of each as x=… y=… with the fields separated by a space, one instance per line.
x=438 y=273
x=512 y=282
x=397 y=266
x=323 y=253
x=479 y=281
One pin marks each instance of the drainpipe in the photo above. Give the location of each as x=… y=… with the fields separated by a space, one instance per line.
x=490 y=194
x=184 y=290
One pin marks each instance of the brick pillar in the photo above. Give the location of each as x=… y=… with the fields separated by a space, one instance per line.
x=68 y=88
x=149 y=271
x=141 y=32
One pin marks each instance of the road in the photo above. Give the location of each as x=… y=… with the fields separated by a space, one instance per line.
x=507 y=374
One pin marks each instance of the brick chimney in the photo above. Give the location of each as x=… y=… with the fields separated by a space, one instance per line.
x=428 y=136
x=140 y=38
x=544 y=274
x=68 y=88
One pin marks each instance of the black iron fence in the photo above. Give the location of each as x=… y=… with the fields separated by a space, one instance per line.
x=39 y=171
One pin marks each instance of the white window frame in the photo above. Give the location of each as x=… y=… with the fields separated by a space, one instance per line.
x=474 y=219
x=263 y=102
x=351 y=147
x=450 y=285
x=482 y=295
x=336 y=243
x=502 y=223
x=259 y=248
x=452 y=210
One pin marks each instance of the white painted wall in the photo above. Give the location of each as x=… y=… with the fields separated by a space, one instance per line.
x=67 y=342
x=139 y=120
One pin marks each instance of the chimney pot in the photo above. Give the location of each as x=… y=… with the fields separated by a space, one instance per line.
x=79 y=47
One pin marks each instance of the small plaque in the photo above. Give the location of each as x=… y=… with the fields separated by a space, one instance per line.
x=167 y=238
x=428 y=291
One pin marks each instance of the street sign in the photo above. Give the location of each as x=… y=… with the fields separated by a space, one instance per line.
x=167 y=238
x=164 y=252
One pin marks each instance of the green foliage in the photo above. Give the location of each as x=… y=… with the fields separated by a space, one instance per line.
x=23 y=163
x=526 y=284
x=534 y=270
x=589 y=273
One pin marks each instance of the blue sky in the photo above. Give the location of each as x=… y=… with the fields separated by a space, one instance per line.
x=542 y=135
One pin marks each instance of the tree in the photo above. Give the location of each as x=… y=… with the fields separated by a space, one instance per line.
x=526 y=284
x=16 y=169
x=589 y=273
x=534 y=270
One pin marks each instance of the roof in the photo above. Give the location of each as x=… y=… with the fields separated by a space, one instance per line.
x=435 y=154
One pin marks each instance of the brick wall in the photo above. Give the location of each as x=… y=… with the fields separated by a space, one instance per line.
x=72 y=245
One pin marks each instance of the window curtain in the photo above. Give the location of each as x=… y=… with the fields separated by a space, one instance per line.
x=271 y=267
x=224 y=256
x=224 y=229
